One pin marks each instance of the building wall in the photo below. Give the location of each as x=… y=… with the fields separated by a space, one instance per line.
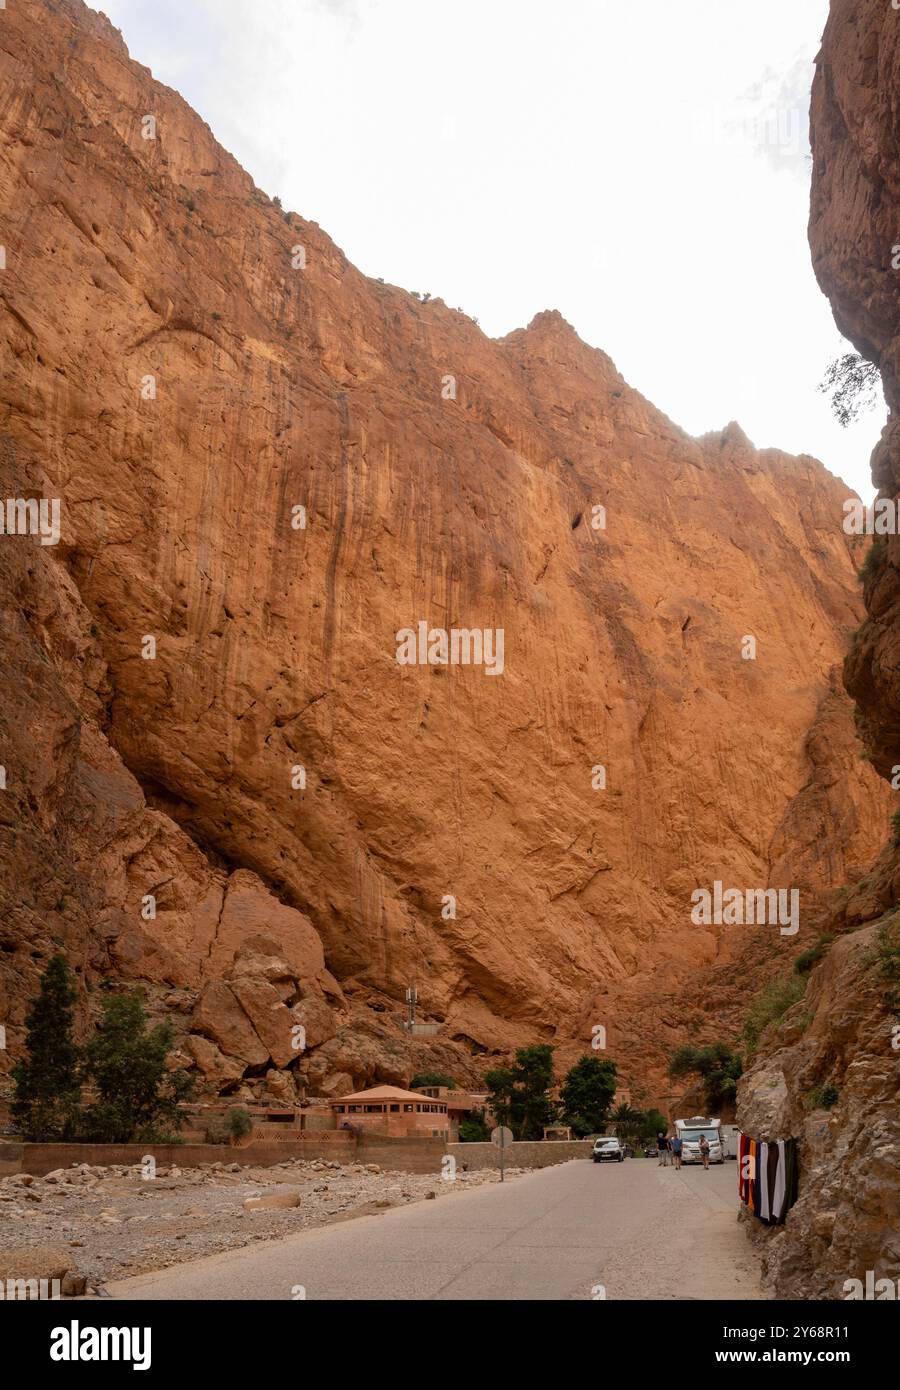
x=43 y=1158
x=538 y=1153
x=403 y=1154
x=399 y=1126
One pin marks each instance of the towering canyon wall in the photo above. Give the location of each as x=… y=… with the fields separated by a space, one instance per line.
x=829 y=1074
x=196 y=374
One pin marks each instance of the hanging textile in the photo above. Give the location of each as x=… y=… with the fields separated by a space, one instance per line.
x=763 y=1207
x=768 y=1180
x=743 y=1167
x=777 y=1180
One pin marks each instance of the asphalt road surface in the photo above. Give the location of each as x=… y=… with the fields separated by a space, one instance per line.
x=581 y=1230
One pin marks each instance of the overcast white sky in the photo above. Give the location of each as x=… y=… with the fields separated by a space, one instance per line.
x=640 y=165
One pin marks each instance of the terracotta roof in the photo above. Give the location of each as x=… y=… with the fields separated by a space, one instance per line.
x=386 y=1093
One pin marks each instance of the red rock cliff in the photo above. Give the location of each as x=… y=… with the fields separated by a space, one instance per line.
x=184 y=378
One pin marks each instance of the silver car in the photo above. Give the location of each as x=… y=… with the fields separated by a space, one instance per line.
x=608 y=1148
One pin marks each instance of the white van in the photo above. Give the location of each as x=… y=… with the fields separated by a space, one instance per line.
x=689 y=1132
x=730 y=1136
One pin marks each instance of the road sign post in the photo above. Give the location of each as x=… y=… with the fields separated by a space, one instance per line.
x=501 y=1136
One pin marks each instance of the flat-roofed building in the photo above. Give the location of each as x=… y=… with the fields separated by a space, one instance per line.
x=391 y=1110
x=460 y=1104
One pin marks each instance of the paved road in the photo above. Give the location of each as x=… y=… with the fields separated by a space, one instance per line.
x=637 y=1230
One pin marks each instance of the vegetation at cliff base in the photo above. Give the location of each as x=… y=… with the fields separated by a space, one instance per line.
x=47 y=1080
x=432 y=1078
x=637 y=1126
x=718 y=1068
x=131 y=1093
x=125 y=1064
x=586 y=1095
x=474 y=1130
x=518 y=1095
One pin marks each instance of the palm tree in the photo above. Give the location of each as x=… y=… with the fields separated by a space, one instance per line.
x=626 y=1122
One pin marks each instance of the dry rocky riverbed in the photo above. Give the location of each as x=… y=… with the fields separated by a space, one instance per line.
x=103 y=1223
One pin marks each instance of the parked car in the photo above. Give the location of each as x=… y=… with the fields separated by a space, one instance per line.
x=609 y=1148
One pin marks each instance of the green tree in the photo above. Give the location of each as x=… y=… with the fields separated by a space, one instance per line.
x=518 y=1094
x=653 y=1121
x=48 y=1093
x=627 y=1123
x=473 y=1130
x=587 y=1094
x=432 y=1078
x=136 y=1096
x=718 y=1067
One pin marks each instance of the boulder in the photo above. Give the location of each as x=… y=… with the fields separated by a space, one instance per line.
x=272 y=1201
x=218 y=1016
x=216 y=1067
x=271 y=1019
x=29 y=1262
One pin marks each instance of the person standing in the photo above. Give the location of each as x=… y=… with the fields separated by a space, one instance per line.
x=704 y=1150
x=675 y=1146
x=662 y=1149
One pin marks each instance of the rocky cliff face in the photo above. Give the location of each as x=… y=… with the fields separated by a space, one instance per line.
x=840 y=1043
x=220 y=779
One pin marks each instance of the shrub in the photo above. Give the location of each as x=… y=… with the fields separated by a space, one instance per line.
x=807 y=959
x=771 y=1004
x=824 y=1097
x=239 y=1122
x=719 y=1068
x=215 y=1130
x=887 y=958
x=875 y=556
x=474 y=1130
x=432 y=1078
